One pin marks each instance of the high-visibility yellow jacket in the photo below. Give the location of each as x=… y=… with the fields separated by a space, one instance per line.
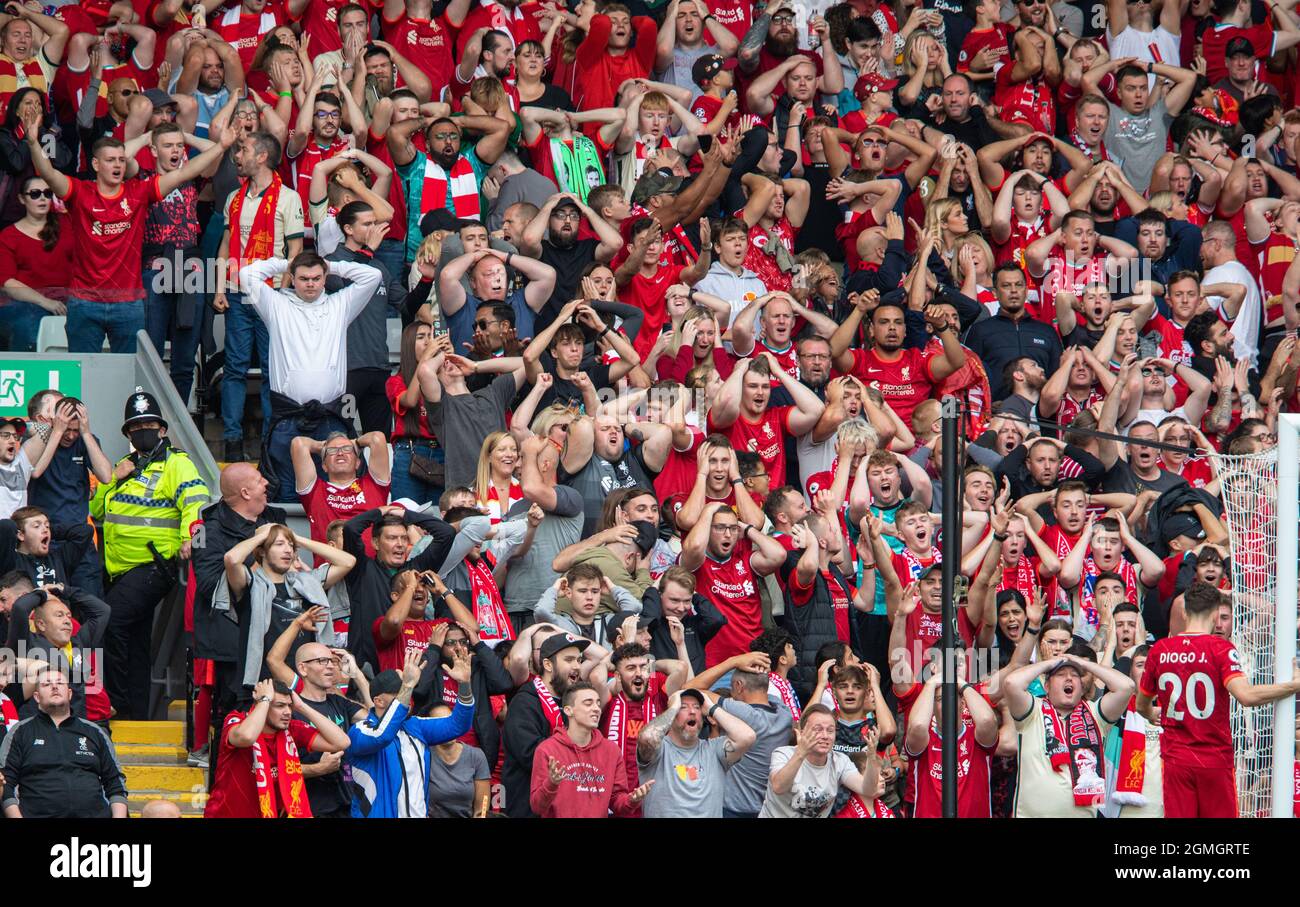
x=158 y=505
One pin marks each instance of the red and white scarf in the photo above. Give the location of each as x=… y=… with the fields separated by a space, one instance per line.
x=788 y=696
x=550 y=708
x=490 y=612
x=261 y=233
x=492 y=501
x=616 y=732
x=1022 y=577
x=1074 y=747
x=1132 y=768
x=464 y=188
x=856 y=808
x=287 y=789
x=8 y=712
x=1087 y=593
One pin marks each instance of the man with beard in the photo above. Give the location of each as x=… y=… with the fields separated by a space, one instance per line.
x=1101 y=193
x=1210 y=340
x=682 y=44
x=597 y=460
x=488 y=279
x=1023 y=380
x=210 y=73
x=579 y=774
x=904 y=375
x=1165 y=246
x=728 y=558
x=319 y=670
x=689 y=774
x=253 y=238
x=771 y=41
x=446 y=177
x=535 y=714
x=552 y=237
x=639 y=693
x=41 y=625
x=490 y=54
x=1011 y=334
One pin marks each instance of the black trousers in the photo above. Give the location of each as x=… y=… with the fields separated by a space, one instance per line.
x=366 y=385
x=128 y=661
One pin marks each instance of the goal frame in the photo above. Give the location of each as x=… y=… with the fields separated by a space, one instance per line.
x=1288 y=553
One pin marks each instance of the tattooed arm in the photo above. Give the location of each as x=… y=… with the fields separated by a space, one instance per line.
x=652 y=735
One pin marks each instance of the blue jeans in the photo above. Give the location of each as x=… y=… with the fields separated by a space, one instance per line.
x=19 y=323
x=403 y=484
x=277 y=464
x=244 y=328
x=164 y=313
x=90 y=322
x=392 y=255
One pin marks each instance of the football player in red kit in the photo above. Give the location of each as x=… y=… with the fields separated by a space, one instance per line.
x=1192 y=675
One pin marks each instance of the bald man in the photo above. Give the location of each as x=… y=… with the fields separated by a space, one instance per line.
x=242 y=508
x=160 y=809
x=320 y=670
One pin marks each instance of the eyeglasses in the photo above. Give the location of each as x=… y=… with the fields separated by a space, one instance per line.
x=445 y=136
x=783 y=19
x=483 y=324
x=1033 y=2
x=34 y=194
x=126 y=92
x=328 y=114
x=8 y=436
x=246 y=114
x=335 y=451
x=323 y=660
x=569 y=214
x=1262 y=436
x=727 y=529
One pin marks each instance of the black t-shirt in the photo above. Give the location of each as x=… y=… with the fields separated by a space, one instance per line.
x=329 y=793
x=1081 y=336
x=975 y=132
x=568 y=264
x=1121 y=478
x=564 y=391
x=63 y=490
x=284 y=610
x=818 y=230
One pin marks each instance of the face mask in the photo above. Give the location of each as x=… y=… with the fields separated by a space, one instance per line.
x=144 y=439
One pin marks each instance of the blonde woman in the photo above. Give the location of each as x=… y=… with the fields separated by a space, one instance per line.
x=925 y=66
x=496 y=487
x=945 y=221
x=973 y=258
x=551 y=423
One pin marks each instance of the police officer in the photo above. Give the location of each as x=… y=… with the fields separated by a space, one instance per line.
x=147 y=509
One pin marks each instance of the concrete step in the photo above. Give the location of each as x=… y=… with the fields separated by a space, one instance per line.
x=150 y=732
x=179 y=778
x=151 y=754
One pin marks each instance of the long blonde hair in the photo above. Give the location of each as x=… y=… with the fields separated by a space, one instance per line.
x=933 y=77
x=483 y=478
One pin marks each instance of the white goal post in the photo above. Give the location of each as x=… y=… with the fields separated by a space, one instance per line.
x=1261 y=497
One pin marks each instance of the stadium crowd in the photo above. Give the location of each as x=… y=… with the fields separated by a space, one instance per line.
x=646 y=522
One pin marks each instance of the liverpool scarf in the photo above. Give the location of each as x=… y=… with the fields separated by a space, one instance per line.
x=1022 y=577
x=489 y=610
x=287 y=788
x=8 y=713
x=31 y=69
x=550 y=708
x=464 y=188
x=856 y=808
x=261 y=235
x=1132 y=768
x=577 y=165
x=787 y=694
x=1076 y=744
x=616 y=731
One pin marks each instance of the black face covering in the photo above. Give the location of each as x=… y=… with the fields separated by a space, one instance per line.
x=144 y=439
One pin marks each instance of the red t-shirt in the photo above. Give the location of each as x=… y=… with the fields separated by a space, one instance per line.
x=734 y=14
x=244 y=31
x=414 y=637
x=997 y=39
x=1031 y=100
x=326 y=502
x=25 y=259
x=706 y=107
x=678 y=474
x=904 y=382
x=731 y=586
x=926 y=629
x=234 y=795
x=647 y=294
x=766 y=437
x=973 y=772
x=426 y=43
x=321 y=20
x=634 y=721
x=520 y=22
x=1189 y=674
x=110 y=238
x=1214 y=44
x=393 y=389
x=1274 y=255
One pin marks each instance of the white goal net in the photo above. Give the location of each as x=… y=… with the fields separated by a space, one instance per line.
x=1259 y=492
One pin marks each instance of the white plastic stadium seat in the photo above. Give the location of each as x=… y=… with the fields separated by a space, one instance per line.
x=52 y=334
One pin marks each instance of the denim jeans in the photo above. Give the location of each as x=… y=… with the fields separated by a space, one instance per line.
x=403 y=484
x=392 y=255
x=277 y=464
x=89 y=322
x=19 y=323
x=163 y=315
x=244 y=328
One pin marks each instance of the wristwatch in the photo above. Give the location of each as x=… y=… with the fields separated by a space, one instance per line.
x=1149 y=65
x=1032 y=631
x=714 y=708
x=264 y=699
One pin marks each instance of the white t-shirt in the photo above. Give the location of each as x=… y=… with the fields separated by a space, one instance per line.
x=13 y=483
x=1133 y=43
x=1245 y=327
x=812 y=794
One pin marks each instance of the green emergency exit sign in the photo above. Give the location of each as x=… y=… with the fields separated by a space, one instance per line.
x=20 y=379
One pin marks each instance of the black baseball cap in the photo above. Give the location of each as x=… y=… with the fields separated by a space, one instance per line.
x=654 y=182
x=442 y=219
x=708 y=66
x=561 y=641
x=697 y=694
x=641 y=620
x=1182 y=524
x=386 y=682
x=1238 y=47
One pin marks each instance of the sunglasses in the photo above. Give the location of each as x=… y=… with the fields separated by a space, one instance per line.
x=483 y=324
x=1148 y=372
x=39 y=193
x=783 y=20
